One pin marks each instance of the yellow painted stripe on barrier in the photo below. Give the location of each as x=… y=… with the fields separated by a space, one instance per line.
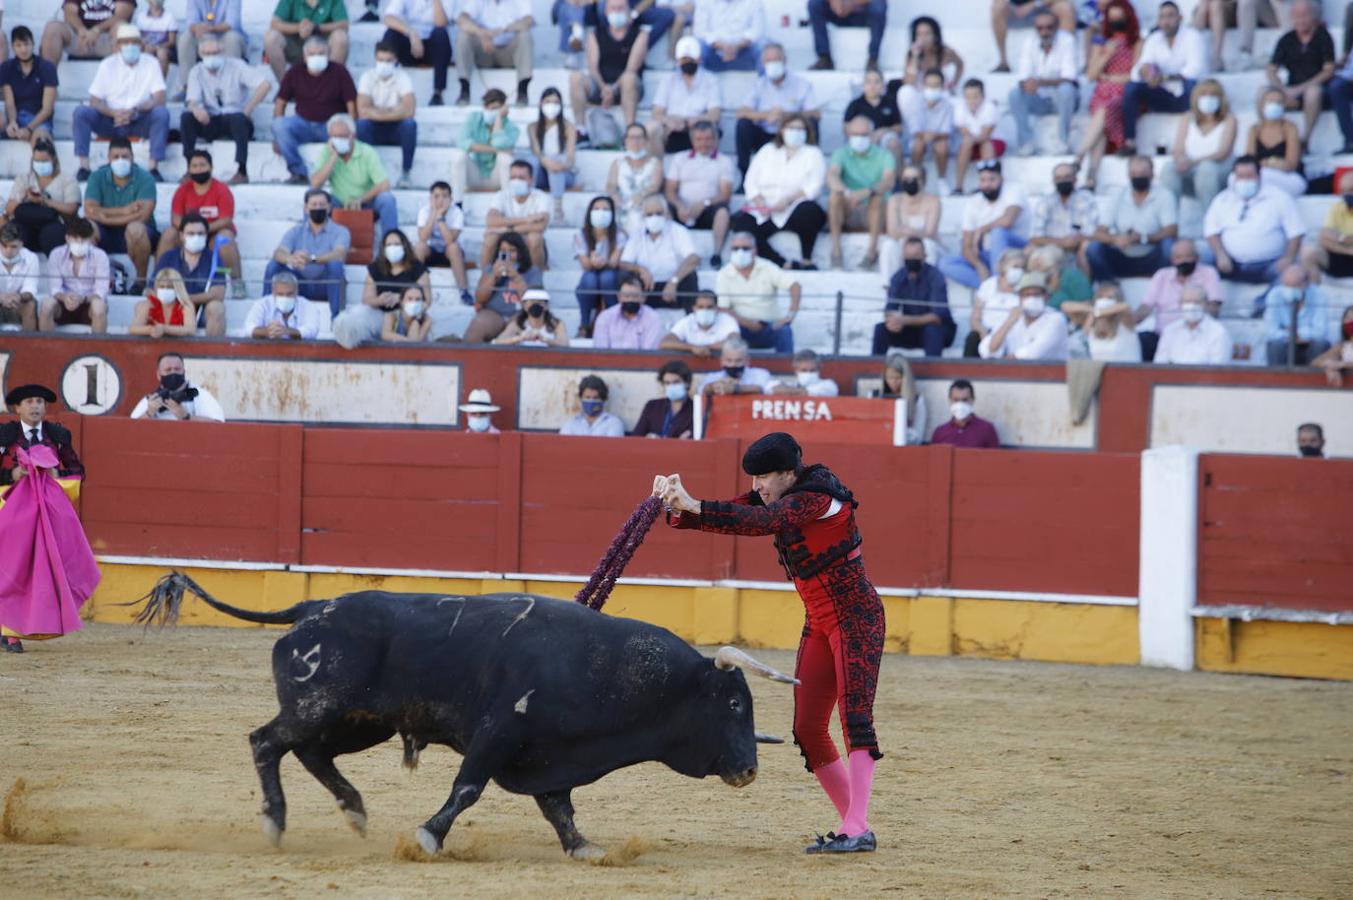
x=1294 y=649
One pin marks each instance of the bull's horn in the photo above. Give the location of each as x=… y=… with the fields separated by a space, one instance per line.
x=763 y=738
x=728 y=657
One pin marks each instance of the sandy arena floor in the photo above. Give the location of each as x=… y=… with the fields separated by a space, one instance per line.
x=128 y=774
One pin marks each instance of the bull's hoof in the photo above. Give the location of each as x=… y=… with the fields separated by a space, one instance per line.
x=356 y=819
x=587 y=852
x=271 y=830
x=428 y=841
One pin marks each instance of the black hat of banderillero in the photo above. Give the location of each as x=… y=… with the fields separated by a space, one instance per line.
x=776 y=452
x=24 y=391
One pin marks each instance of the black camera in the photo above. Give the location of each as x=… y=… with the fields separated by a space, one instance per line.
x=175 y=387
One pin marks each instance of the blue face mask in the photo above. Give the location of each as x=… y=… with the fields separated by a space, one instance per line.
x=131 y=53
x=592 y=408
x=121 y=167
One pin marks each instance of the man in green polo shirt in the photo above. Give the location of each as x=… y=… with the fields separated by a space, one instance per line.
x=120 y=201
x=295 y=20
x=355 y=173
x=859 y=179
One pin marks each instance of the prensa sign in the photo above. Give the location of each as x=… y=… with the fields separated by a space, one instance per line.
x=841 y=420
x=791 y=410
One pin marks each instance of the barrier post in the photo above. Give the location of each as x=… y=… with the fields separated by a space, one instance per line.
x=836 y=340
x=1167 y=580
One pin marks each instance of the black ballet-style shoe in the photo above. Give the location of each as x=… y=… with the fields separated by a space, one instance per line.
x=865 y=842
x=13 y=645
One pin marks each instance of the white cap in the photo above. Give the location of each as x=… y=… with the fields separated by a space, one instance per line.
x=688 y=48
x=128 y=32
x=480 y=401
x=535 y=294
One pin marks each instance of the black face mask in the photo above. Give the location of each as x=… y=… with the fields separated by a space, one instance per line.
x=1066 y=188
x=200 y=177
x=318 y=216
x=1309 y=450
x=690 y=68
x=914 y=265
x=630 y=307
x=173 y=381
x=1117 y=26
x=1348 y=200
x=911 y=186
x=734 y=372
x=1141 y=183
x=1186 y=268
x=992 y=195
x=535 y=310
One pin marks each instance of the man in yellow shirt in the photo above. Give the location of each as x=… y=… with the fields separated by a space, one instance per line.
x=748 y=287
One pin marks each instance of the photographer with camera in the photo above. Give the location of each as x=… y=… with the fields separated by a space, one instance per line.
x=176 y=398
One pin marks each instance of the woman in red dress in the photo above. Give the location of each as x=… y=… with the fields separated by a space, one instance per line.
x=1113 y=53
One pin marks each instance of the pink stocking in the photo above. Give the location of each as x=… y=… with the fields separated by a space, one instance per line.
x=861 y=786
x=835 y=780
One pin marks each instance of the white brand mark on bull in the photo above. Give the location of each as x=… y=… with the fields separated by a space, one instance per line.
x=530 y=605
x=520 y=705
x=310 y=659
x=791 y=410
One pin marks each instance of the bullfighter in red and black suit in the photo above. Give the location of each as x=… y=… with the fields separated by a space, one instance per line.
x=812 y=517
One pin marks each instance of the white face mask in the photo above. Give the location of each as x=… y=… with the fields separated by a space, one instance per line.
x=775 y=69
x=1193 y=313
x=167 y=295
x=741 y=257
x=1033 y=306
x=413 y=309
x=394 y=253
x=600 y=217
x=214 y=62
x=551 y=110
x=795 y=137
x=654 y=223
x=704 y=317
x=477 y=423
x=490 y=115
x=618 y=19
x=1014 y=274
x=806 y=378
x=960 y=410
x=78 y=249
x=385 y=68
x=519 y=187
x=637 y=154
x=194 y=243
x=342 y=145
x=932 y=94
x=131 y=53
x=1209 y=104
x=316 y=64
x=1273 y=110
x=122 y=167
x=285 y=303
x=1103 y=304
x=859 y=143
x=1246 y=187
x=675 y=391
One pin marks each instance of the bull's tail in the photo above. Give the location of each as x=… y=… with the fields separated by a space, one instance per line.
x=161 y=605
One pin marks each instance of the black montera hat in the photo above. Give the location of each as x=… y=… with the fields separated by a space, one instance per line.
x=24 y=391
x=776 y=452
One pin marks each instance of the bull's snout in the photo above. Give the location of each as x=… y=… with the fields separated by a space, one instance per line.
x=741 y=779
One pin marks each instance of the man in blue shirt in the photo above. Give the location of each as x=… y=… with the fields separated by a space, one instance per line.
x=1312 y=312
x=201 y=270
x=917 y=312
x=314 y=251
x=29 y=86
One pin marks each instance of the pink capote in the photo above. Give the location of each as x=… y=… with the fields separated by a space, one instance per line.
x=47 y=570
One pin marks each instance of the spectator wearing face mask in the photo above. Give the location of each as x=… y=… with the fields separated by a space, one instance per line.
x=498 y=297
x=613 y=74
x=418 y=31
x=994 y=220
x=296 y=21
x=177 y=397
x=79 y=276
x=663 y=257
x=554 y=142
x=484 y=156
x=1032 y=332
x=42 y=199
x=1202 y=145
x=223 y=92
x=1295 y=298
x=703 y=331
x=1193 y=337
x=355 y=174
x=167 y=311
x=281 y=315
x=535 y=325
x=776 y=93
x=1333 y=253
x=782 y=186
x=1311 y=441
x=916 y=315
x=931 y=129
x=1253 y=231
x=1164 y=293
x=1334 y=361
x=808 y=380
x=385 y=291
x=912 y=212
x=387 y=109
x=592 y=419
x=730 y=33
x=597 y=247
x=196 y=261
x=120 y=200
x=734 y=375
x=994 y=299
x=1307 y=54
x=1068 y=217
x=635 y=176
x=976 y=119
x=858 y=181
x=1172 y=59
x=410 y=321
x=629 y=325
x=520 y=209
x=211 y=199
x=700 y=186
x=20 y=273
x=965 y=428
x=314 y=251
x=1136 y=237
x=1107 y=325
x=321 y=90
x=126 y=98
x=749 y=288
x=479 y=409
x=1277 y=144
x=686 y=96
x=672 y=414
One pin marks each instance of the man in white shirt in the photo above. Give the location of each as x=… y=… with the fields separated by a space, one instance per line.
x=699 y=186
x=1047 y=83
x=1195 y=338
x=994 y=220
x=777 y=92
x=808 y=380
x=283 y=315
x=521 y=208
x=440 y=222
x=386 y=107
x=126 y=98
x=734 y=376
x=1136 y=239
x=1253 y=231
x=223 y=91
x=19 y=274
x=703 y=331
x=495 y=34
x=176 y=397
x=730 y=33
x=1031 y=331
x=1172 y=60
x=417 y=30
x=686 y=96
x=749 y=287
x=663 y=256
x=592 y=419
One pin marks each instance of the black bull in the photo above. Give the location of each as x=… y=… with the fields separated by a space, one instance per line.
x=539 y=695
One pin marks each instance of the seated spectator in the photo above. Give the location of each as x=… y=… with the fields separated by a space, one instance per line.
x=994 y=299
x=386 y=108
x=394 y=269
x=20 y=274
x=202 y=194
x=296 y=21
x=1202 y=145
x=554 y=142
x=1165 y=292
x=486 y=139
x=355 y=174
x=994 y=220
x=1107 y=325
x=808 y=380
x=41 y=199
x=900 y=383
x=1333 y=254
x=418 y=31
x=534 y=325
x=495 y=34
x=777 y=93
x=521 y=209
x=1047 y=83
x=28 y=85
x=409 y=321
x=159 y=33
x=279 y=317
x=1341 y=88
x=730 y=33
x=975 y=121
x=926 y=51
x=871 y=14
x=439 y=225
x=629 y=325
x=592 y=419
x=1275 y=142
x=858 y=182
x=1007 y=14
x=686 y=96
x=659 y=16
x=1067 y=218
x=177 y=397
x=911 y=212
x=1170 y=63
x=1136 y=239
x=932 y=127
x=917 y=312
x=1311 y=316
x=734 y=375
x=86 y=28
x=1311 y=440
x=748 y=287
x=1062 y=279
x=223 y=92
x=964 y=427
x=321 y=89
x=79 y=277
x=501 y=286
x=120 y=200
x=1307 y=54
x=1218 y=15
x=1334 y=361
x=222 y=22
x=126 y=99
x=198 y=265
x=1253 y=232
x=167 y=310
x=879 y=106
x=782 y=186
x=1112 y=54
x=703 y=330
x=635 y=176
x=1032 y=331
x=699 y=187
x=479 y=410
x=597 y=247
x=314 y=251
x=663 y=257
x=1194 y=338
x=613 y=76
x=672 y=414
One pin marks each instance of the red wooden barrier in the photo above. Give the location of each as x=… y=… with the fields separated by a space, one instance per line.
x=1275 y=532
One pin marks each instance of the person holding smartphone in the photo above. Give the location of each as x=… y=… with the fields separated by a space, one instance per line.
x=498 y=296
